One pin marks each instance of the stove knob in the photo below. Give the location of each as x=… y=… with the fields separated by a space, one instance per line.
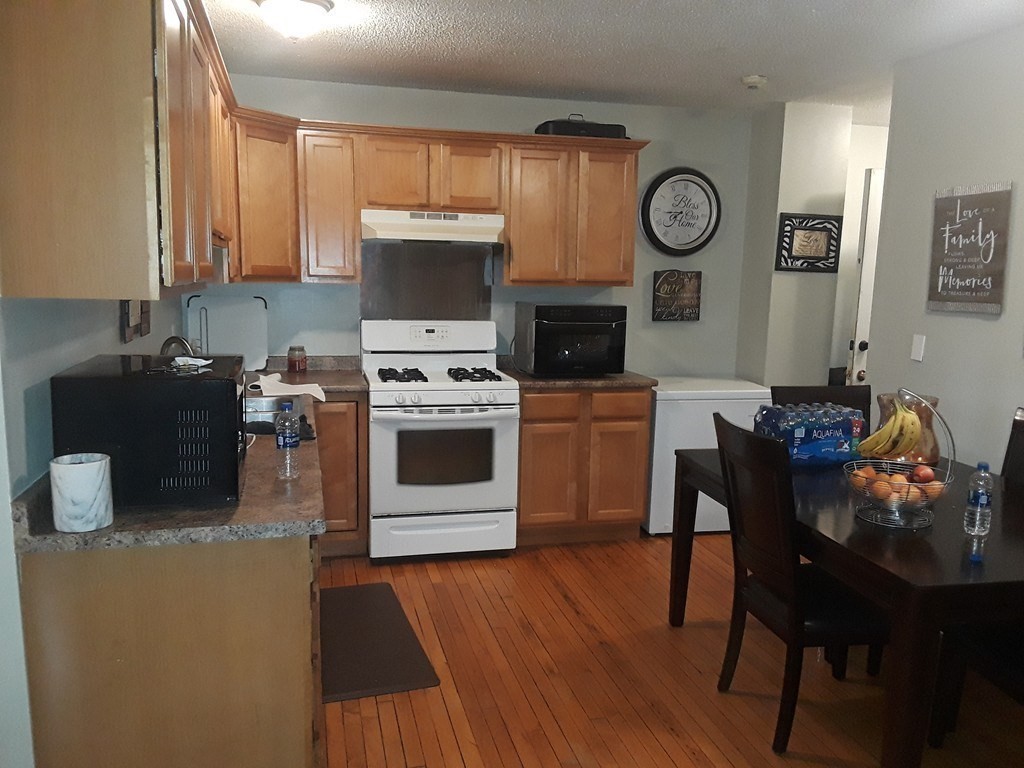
x=475 y=397
x=491 y=397
x=414 y=399
x=399 y=399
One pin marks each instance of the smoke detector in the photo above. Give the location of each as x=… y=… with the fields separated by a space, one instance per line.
x=754 y=82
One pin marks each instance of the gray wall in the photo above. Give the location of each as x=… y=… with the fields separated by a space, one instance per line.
x=956 y=119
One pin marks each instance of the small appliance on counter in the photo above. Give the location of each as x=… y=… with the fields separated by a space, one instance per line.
x=175 y=435
x=569 y=340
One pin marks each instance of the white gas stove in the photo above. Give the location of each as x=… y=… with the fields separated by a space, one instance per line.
x=444 y=438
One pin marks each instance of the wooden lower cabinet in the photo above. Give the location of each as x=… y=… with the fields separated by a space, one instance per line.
x=187 y=654
x=583 y=464
x=341 y=441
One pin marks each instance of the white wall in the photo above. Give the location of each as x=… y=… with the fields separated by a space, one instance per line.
x=868 y=145
x=956 y=119
x=715 y=143
x=813 y=180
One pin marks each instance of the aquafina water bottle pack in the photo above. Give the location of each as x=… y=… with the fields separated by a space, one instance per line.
x=818 y=434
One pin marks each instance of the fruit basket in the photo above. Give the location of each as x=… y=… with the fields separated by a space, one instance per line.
x=899 y=494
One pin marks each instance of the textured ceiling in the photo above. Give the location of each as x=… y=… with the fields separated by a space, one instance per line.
x=685 y=53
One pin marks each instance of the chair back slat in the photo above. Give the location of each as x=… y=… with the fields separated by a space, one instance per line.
x=762 y=513
x=1013 y=460
x=850 y=395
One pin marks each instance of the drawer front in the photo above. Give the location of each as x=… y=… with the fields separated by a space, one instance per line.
x=620 y=405
x=564 y=405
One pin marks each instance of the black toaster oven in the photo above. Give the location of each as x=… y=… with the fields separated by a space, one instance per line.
x=569 y=340
x=175 y=436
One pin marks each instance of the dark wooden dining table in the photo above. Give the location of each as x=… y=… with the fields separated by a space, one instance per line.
x=924 y=578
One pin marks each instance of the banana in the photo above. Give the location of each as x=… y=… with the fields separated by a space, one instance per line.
x=911 y=433
x=886 y=449
x=879 y=438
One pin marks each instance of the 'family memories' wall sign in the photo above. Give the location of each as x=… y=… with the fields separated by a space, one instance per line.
x=969 y=249
x=676 y=295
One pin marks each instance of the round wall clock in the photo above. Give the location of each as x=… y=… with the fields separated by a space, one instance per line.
x=680 y=211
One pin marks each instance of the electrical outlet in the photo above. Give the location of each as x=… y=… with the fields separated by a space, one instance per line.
x=917 y=348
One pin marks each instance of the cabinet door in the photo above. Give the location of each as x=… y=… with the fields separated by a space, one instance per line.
x=606 y=217
x=222 y=150
x=267 y=201
x=178 y=266
x=549 y=472
x=618 y=470
x=466 y=177
x=540 y=227
x=395 y=172
x=337 y=448
x=328 y=216
x=619 y=446
x=199 y=157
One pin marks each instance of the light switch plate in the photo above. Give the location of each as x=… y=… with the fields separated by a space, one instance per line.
x=917 y=348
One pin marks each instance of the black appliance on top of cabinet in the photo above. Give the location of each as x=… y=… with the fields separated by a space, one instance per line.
x=174 y=435
x=569 y=340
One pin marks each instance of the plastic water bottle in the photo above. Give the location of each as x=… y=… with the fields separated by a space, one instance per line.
x=978 y=512
x=287 y=443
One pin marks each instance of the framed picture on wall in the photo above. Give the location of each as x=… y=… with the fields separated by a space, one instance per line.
x=808 y=242
x=676 y=295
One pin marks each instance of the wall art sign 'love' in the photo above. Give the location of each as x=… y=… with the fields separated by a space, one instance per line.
x=969 y=249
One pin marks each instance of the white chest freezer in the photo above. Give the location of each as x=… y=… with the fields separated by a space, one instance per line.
x=683 y=408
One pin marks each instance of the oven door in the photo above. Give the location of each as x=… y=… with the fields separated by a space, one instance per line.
x=431 y=460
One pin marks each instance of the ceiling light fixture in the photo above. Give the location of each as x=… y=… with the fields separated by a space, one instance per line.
x=754 y=82
x=296 y=18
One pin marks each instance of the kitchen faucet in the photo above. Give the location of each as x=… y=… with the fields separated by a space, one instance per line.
x=176 y=341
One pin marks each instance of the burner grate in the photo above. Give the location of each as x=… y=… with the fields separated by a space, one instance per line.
x=473 y=374
x=404 y=375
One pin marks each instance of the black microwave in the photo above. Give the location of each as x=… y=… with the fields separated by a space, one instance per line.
x=569 y=340
x=174 y=435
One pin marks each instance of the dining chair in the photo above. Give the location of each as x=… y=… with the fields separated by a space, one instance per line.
x=850 y=395
x=1013 y=460
x=800 y=603
x=994 y=652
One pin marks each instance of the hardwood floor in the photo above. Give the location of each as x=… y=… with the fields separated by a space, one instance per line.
x=563 y=656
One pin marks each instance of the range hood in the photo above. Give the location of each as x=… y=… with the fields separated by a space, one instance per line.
x=432 y=225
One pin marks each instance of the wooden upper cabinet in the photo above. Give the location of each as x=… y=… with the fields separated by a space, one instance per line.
x=223 y=178
x=571 y=215
x=267 y=200
x=185 y=149
x=200 y=158
x=421 y=173
x=605 y=216
x=328 y=214
x=467 y=176
x=539 y=223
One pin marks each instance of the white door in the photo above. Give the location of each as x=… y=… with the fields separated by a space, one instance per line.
x=858 y=362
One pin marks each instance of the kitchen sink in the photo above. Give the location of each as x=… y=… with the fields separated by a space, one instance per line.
x=266 y=408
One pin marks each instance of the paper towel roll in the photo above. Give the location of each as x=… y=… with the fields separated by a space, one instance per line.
x=82 y=498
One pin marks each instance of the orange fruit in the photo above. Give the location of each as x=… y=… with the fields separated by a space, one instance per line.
x=898 y=479
x=934 y=489
x=868 y=470
x=858 y=479
x=913 y=494
x=881 y=476
x=881 y=489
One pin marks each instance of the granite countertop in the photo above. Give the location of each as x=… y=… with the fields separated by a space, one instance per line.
x=334 y=374
x=625 y=380
x=269 y=508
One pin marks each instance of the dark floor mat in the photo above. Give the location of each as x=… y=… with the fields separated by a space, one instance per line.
x=367 y=645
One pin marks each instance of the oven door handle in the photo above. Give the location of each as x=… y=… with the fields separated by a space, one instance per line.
x=497 y=414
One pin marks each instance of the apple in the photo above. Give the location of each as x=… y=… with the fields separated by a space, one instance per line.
x=923 y=474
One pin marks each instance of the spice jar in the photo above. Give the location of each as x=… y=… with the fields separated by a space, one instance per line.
x=297 y=359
